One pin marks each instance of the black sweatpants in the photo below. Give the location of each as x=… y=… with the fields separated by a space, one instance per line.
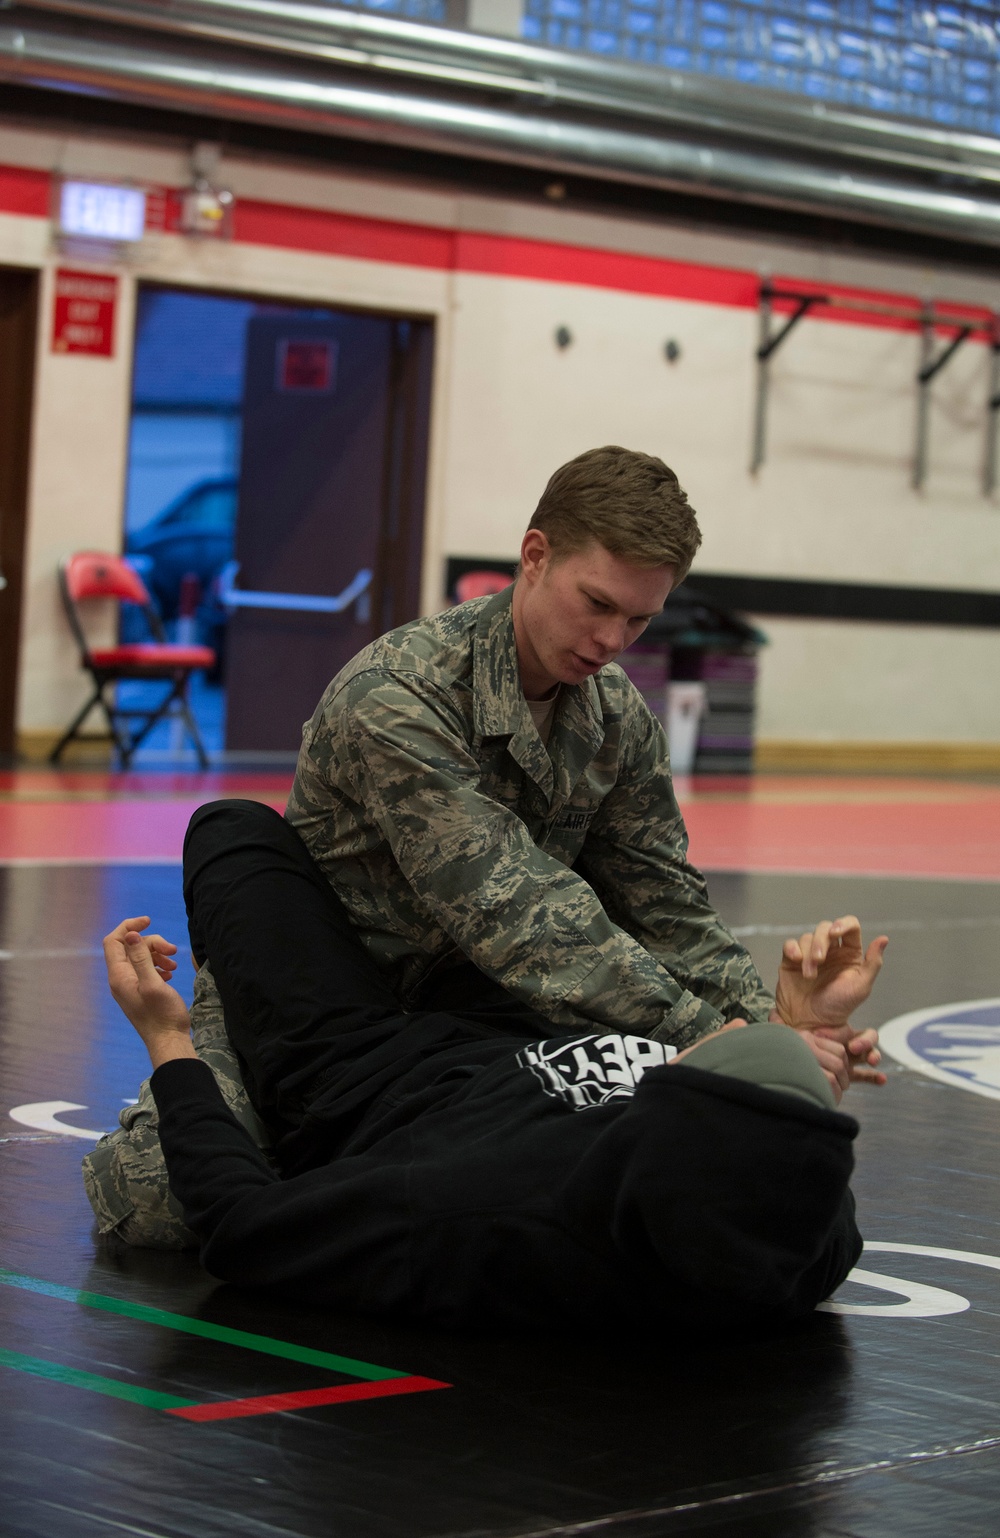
x=469 y=1165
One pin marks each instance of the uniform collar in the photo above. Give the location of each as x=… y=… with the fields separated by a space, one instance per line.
x=499 y=704
x=501 y=710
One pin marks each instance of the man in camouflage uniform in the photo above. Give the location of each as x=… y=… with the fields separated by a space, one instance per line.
x=451 y=830
x=491 y=801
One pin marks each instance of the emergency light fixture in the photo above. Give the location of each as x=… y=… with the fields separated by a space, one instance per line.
x=206 y=207
x=207 y=210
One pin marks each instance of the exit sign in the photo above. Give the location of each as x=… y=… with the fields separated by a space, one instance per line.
x=84 y=317
x=102 y=211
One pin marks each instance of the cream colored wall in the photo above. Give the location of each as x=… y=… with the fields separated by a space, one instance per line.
x=878 y=683
x=832 y=501
x=78 y=482
x=80 y=435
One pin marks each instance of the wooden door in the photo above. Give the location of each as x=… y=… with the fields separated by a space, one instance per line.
x=18 y=311
x=331 y=488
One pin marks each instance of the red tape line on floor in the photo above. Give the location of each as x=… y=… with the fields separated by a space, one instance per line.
x=305 y=1399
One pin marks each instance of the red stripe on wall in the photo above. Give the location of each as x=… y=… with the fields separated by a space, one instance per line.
x=315 y=229
x=514 y=257
x=416 y=245
x=25 y=192
x=509 y=256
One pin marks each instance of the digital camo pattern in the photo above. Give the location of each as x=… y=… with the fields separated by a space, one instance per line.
x=126 y=1177
x=446 y=828
x=591 y=1070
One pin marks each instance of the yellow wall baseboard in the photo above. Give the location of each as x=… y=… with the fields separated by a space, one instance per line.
x=772 y=754
x=879 y=757
x=35 y=747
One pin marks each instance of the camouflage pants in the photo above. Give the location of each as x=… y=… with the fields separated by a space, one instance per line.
x=126 y=1177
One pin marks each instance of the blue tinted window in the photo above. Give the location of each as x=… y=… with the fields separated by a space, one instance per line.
x=936 y=61
x=602 y=42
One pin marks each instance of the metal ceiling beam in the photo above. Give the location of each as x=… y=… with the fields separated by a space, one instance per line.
x=312 y=67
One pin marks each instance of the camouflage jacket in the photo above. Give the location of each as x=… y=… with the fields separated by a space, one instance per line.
x=447 y=829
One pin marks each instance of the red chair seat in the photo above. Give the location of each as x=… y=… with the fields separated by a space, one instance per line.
x=149 y=654
x=93 y=574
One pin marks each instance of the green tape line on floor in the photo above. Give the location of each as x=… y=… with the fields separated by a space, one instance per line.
x=220 y=1332
x=73 y=1377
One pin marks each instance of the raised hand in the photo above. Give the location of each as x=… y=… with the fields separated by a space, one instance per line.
x=826 y=974
x=139 y=967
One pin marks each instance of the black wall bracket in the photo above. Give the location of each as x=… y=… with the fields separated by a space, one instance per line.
x=930 y=318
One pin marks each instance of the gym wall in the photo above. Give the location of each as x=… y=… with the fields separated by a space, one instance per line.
x=500 y=278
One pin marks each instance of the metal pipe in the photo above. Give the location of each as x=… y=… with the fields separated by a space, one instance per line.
x=763 y=380
x=930 y=366
x=923 y=398
x=198 y=75
x=377 y=43
x=992 y=414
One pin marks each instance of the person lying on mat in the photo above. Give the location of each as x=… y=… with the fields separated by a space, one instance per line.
x=470 y=1168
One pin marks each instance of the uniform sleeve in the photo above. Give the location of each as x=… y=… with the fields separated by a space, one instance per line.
x=524 y=918
x=636 y=858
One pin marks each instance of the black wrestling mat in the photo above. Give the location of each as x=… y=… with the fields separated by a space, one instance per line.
x=141 y=1398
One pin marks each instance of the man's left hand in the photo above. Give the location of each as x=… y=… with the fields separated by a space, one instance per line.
x=826 y=974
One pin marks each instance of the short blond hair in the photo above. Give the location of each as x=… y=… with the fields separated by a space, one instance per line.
x=631 y=503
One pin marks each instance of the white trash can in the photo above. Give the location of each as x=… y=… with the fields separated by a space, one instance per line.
x=685 y=708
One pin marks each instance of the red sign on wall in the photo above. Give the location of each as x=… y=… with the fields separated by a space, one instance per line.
x=84 y=318
x=306 y=366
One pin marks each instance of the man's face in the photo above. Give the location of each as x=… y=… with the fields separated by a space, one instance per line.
x=572 y=616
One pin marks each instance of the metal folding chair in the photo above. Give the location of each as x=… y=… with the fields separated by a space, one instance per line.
x=89 y=575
